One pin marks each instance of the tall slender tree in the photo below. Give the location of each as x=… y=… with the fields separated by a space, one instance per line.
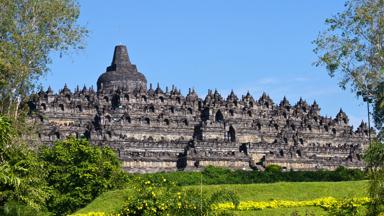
x=352 y=47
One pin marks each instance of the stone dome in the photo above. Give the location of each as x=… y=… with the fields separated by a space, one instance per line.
x=121 y=73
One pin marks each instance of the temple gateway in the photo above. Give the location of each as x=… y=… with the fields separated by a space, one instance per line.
x=154 y=129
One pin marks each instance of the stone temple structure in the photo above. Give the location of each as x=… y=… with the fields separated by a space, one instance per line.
x=154 y=129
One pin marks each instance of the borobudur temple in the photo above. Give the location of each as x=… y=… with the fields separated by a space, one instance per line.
x=154 y=129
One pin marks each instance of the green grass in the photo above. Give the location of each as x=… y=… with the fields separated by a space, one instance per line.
x=108 y=202
x=293 y=190
x=111 y=201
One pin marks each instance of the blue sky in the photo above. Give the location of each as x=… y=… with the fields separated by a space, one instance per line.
x=213 y=44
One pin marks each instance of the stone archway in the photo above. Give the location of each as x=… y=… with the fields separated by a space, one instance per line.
x=116 y=101
x=231 y=134
x=219 y=118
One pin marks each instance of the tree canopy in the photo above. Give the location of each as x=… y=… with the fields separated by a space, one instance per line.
x=29 y=31
x=352 y=48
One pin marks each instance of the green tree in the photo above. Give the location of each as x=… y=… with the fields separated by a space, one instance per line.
x=78 y=172
x=29 y=31
x=21 y=173
x=352 y=47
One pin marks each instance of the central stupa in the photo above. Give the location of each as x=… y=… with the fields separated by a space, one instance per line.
x=121 y=74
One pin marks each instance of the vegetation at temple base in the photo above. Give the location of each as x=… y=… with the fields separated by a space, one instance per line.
x=58 y=179
x=216 y=175
x=22 y=178
x=78 y=172
x=165 y=198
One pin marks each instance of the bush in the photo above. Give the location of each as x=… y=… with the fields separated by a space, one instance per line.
x=13 y=208
x=215 y=175
x=273 y=168
x=78 y=172
x=350 y=206
x=22 y=178
x=163 y=197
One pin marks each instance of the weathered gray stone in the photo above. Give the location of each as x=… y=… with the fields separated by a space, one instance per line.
x=155 y=130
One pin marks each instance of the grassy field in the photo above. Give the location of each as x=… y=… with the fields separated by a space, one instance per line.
x=110 y=202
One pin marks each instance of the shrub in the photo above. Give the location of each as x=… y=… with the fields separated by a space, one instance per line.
x=350 y=206
x=22 y=178
x=13 y=208
x=163 y=197
x=273 y=168
x=215 y=175
x=78 y=172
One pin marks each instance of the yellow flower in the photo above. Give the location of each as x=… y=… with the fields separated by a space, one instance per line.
x=326 y=203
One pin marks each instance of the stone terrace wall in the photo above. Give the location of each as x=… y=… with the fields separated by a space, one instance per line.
x=154 y=130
